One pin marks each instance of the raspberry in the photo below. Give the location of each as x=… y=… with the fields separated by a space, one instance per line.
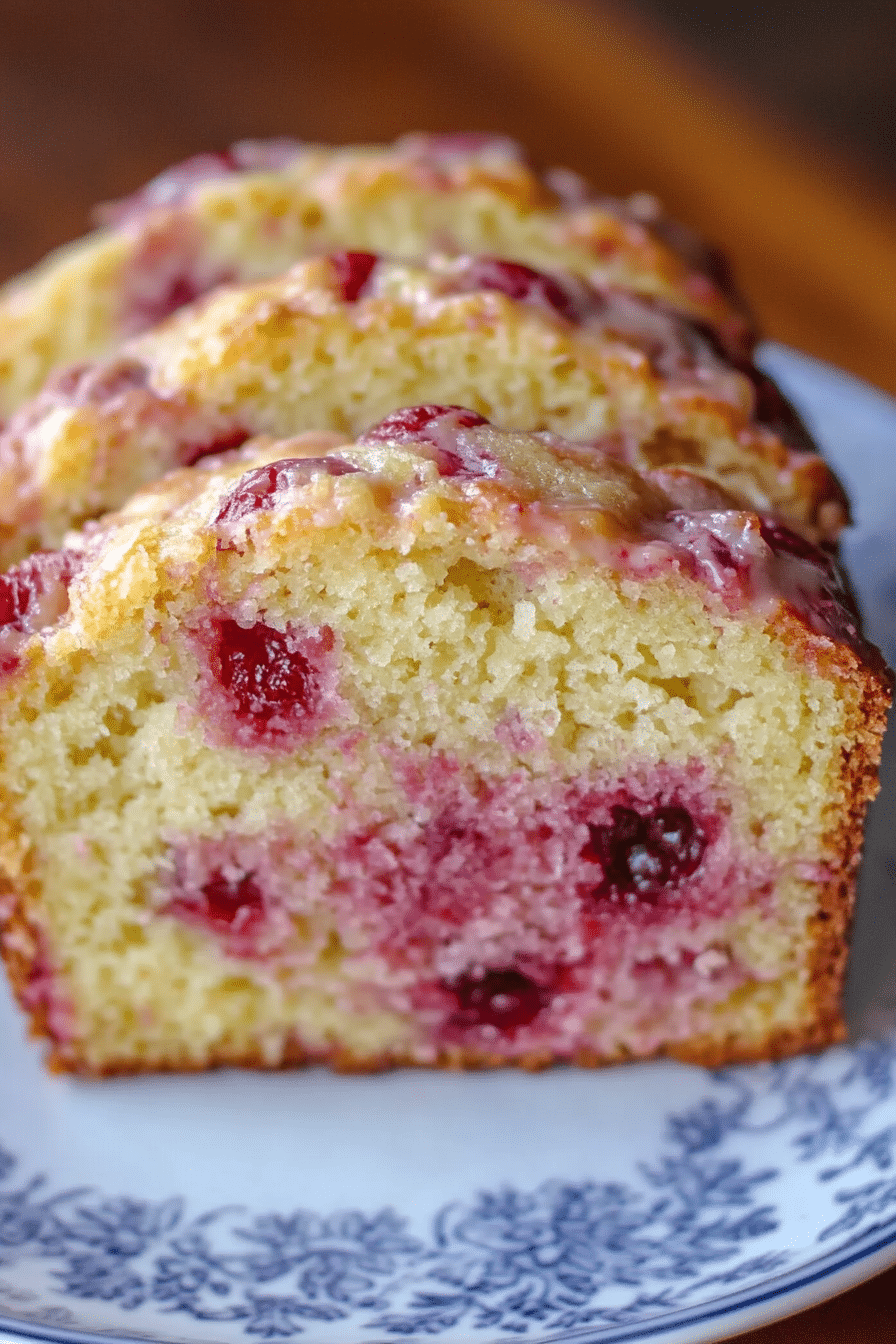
x=225 y=442
x=33 y=596
x=419 y=424
x=503 y=999
x=259 y=488
x=642 y=857
x=782 y=541
x=227 y=903
x=440 y=426
x=523 y=284
x=172 y=294
x=353 y=270
x=267 y=679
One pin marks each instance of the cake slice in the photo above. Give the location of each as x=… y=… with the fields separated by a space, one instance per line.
x=341 y=340
x=255 y=210
x=449 y=746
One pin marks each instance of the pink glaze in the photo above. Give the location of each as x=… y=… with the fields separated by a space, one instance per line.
x=33 y=597
x=759 y=563
x=264 y=687
x=447 y=147
x=741 y=557
x=571 y=189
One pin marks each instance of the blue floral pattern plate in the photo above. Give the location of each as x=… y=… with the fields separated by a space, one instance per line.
x=654 y=1201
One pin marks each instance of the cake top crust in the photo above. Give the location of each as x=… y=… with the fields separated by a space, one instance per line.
x=429 y=476
x=529 y=348
x=255 y=209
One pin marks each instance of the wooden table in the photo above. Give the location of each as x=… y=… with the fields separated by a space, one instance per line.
x=99 y=95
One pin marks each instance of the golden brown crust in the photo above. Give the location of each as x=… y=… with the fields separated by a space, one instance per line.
x=872 y=689
x=709 y=1052
x=261 y=219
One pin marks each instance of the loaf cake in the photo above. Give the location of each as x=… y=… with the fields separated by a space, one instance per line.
x=255 y=210
x=445 y=745
x=342 y=339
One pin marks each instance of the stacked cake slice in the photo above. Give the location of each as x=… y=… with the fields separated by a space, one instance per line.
x=470 y=678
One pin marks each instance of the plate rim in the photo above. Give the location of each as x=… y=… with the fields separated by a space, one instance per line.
x=872 y=1251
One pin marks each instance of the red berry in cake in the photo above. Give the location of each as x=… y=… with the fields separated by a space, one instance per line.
x=353 y=270
x=502 y=999
x=100 y=383
x=276 y=685
x=174 y=293
x=783 y=540
x=772 y=409
x=442 y=426
x=225 y=442
x=644 y=857
x=33 y=596
x=523 y=284
x=260 y=488
x=228 y=903
x=420 y=424
x=262 y=674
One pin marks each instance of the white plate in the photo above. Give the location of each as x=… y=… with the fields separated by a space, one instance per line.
x=649 y=1202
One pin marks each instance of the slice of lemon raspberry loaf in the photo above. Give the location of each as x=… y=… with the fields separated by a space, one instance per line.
x=255 y=210
x=341 y=340
x=450 y=746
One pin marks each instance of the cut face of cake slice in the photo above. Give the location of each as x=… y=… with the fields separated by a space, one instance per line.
x=340 y=341
x=449 y=746
x=260 y=207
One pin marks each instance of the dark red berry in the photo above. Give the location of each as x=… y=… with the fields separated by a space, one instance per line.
x=353 y=270
x=455 y=455
x=268 y=680
x=99 y=383
x=225 y=442
x=644 y=856
x=418 y=424
x=33 y=593
x=33 y=596
x=228 y=902
x=523 y=284
x=259 y=488
x=504 y=999
x=783 y=540
x=174 y=294
x=772 y=409
x=824 y=597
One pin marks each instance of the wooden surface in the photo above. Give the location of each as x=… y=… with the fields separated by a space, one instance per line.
x=99 y=95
